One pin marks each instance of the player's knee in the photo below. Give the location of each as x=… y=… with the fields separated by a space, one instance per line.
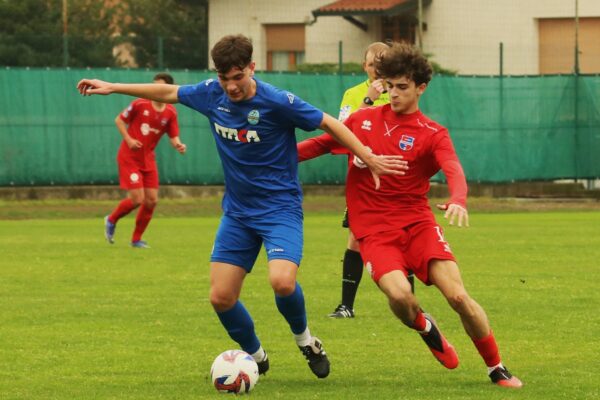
x=400 y=298
x=221 y=301
x=461 y=303
x=137 y=200
x=150 y=202
x=283 y=287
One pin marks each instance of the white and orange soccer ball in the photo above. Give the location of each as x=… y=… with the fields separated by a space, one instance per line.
x=234 y=371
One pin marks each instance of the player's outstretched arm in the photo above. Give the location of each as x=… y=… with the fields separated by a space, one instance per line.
x=152 y=91
x=378 y=164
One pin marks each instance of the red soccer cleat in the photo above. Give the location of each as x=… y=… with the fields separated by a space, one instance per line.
x=501 y=377
x=440 y=348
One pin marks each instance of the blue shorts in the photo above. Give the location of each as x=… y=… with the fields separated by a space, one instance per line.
x=238 y=241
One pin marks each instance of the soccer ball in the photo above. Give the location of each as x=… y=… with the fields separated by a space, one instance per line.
x=234 y=371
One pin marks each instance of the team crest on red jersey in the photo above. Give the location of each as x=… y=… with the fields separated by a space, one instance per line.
x=406 y=142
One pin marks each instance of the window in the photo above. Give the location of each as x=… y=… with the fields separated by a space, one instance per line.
x=557 y=45
x=285 y=46
x=399 y=28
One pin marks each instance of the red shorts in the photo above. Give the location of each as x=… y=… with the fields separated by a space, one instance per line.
x=132 y=176
x=411 y=248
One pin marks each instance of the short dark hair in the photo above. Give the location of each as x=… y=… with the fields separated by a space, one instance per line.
x=230 y=52
x=165 y=77
x=403 y=59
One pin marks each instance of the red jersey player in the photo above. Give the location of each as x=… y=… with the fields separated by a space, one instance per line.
x=142 y=124
x=394 y=225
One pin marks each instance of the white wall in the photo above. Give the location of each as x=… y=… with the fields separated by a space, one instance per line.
x=322 y=38
x=465 y=34
x=461 y=34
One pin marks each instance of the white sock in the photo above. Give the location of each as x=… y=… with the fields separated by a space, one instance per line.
x=490 y=369
x=260 y=355
x=304 y=338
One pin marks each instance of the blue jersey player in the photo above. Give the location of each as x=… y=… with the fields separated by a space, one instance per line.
x=253 y=124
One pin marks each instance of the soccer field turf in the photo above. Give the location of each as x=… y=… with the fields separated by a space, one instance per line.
x=85 y=320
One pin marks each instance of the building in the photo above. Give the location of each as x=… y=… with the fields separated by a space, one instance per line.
x=481 y=37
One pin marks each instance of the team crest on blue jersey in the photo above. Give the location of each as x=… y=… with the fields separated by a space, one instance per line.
x=253 y=117
x=406 y=142
x=290 y=98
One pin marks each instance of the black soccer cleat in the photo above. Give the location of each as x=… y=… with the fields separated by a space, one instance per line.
x=316 y=357
x=501 y=377
x=342 y=311
x=263 y=365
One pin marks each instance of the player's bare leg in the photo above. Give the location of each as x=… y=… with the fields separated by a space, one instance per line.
x=445 y=275
x=290 y=303
x=405 y=306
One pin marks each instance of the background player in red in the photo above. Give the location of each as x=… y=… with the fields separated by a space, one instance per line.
x=142 y=124
x=395 y=226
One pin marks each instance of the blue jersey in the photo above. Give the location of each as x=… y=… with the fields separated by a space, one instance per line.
x=256 y=142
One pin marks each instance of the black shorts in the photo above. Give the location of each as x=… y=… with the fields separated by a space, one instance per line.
x=345 y=222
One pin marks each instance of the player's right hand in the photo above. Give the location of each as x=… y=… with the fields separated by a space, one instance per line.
x=376 y=89
x=134 y=144
x=181 y=148
x=88 y=87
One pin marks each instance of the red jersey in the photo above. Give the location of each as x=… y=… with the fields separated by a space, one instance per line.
x=402 y=199
x=147 y=125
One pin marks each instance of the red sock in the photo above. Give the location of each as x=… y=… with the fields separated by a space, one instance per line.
x=420 y=323
x=488 y=349
x=141 y=222
x=124 y=208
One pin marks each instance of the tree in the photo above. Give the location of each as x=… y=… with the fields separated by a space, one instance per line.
x=177 y=28
x=31 y=33
x=92 y=27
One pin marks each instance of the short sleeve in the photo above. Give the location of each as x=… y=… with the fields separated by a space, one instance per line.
x=128 y=113
x=197 y=96
x=302 y=114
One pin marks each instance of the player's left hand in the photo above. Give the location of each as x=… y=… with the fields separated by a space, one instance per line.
x=181 y=148
x=455 y=211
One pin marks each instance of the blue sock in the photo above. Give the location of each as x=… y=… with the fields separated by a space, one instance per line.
x=293 y=310
x=240 y=327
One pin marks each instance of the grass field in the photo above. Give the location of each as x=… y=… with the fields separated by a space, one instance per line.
x=84 y=320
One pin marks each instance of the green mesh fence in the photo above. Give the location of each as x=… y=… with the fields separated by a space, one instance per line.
x=504 y=129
